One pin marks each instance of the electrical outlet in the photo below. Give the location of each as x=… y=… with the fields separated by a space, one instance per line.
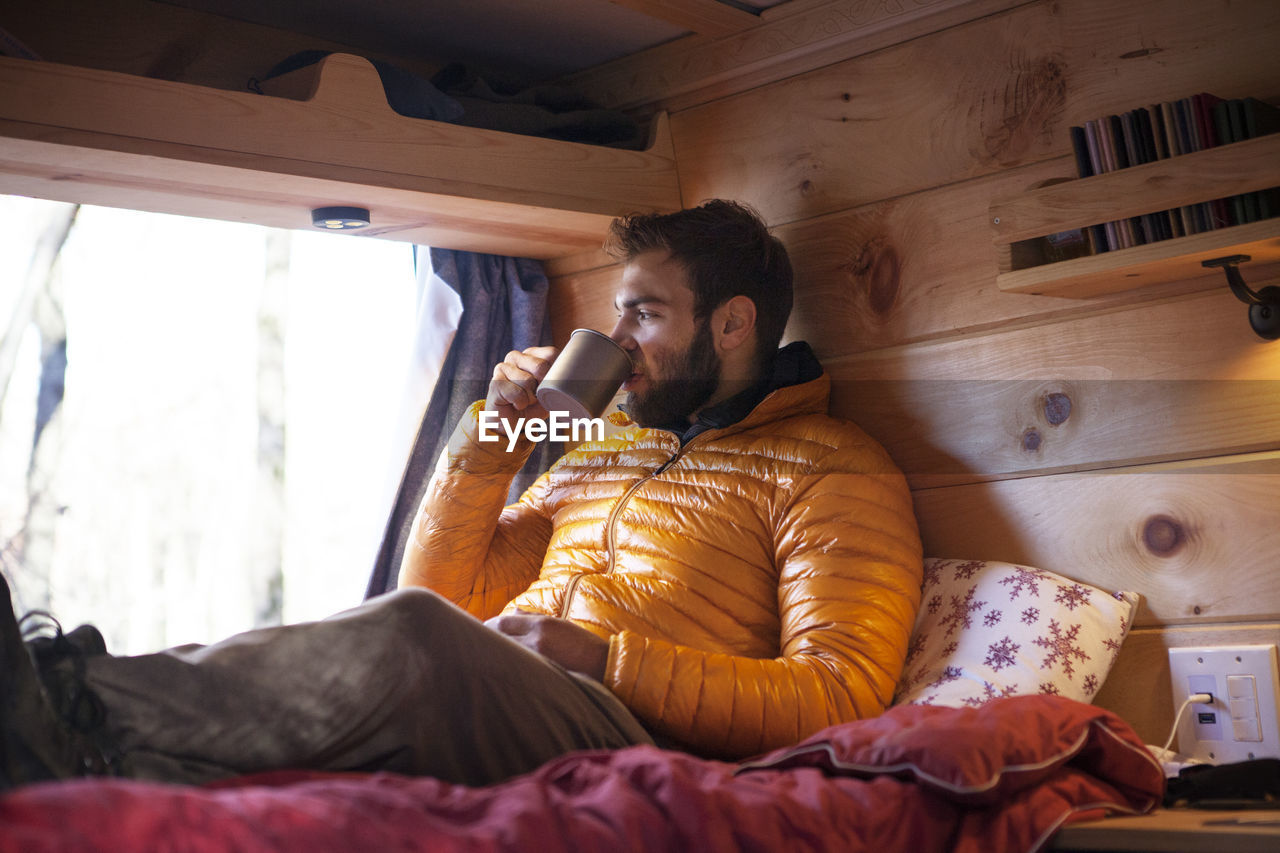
x=1240 y=723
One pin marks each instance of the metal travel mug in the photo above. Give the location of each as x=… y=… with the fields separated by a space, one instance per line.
x=585 y=375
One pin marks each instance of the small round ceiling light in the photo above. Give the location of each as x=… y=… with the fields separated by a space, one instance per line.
x=340 y=218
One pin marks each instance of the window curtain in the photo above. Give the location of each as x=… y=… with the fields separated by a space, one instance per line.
x=504 y=307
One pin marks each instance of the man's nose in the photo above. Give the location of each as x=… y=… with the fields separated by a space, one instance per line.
x=622 y=335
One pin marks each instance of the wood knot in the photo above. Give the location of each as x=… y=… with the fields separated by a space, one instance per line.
x=1031 y=440
x=806 y=185
x=1163 y=536
x=1026 y=112
x=885 y=281
x=877 y=269
x=1057 y=408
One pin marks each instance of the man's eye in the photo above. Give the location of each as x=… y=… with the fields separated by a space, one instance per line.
x=644 y=315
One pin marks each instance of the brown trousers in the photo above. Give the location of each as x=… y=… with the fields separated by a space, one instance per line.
x=406 y=682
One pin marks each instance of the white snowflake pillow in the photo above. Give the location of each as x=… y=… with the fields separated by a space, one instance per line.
x=988 y=629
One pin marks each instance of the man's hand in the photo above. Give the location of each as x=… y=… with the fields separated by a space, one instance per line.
x=515 y=379
x=573 y=647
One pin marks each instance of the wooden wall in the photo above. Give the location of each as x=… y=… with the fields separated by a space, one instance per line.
x=1131 y=440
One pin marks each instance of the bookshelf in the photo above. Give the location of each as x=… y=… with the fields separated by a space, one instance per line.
x=1021 y=220
x=322 y=136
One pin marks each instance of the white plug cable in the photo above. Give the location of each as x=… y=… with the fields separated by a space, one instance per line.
x=1194 y=698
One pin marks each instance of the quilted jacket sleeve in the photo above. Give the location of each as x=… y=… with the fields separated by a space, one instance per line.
x=850 y=563
x=465 y=545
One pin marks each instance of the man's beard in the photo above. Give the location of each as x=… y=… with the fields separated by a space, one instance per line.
x=691 y=380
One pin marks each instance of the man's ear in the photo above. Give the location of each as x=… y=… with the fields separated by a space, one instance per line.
x=734 y=322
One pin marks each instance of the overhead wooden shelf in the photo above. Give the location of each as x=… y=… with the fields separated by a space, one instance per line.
x=99 y=137
x=1188 y=179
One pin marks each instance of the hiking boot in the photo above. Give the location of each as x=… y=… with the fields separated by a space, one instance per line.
x=85 y=641
x=59 y=660
x=35 y=744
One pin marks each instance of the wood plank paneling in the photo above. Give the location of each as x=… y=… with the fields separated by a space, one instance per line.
x=281 y=193
x=1171 y=380
x=82 y=135
x=345 y=124
x=917 y=267
x=793 y=38
x=709 y=17
x=1198 y=540
x=588 y=303
x=918 y=115
x=972 y=100
x=569 y=265
x=970 y=431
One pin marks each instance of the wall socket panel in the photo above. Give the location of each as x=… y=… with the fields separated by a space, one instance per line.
x=1241 y=722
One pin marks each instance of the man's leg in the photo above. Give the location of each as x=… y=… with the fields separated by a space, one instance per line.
x=405 y=682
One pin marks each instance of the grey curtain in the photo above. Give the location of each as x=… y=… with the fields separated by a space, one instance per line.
x=504 y=307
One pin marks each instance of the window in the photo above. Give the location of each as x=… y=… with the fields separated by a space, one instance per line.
x=232 y=428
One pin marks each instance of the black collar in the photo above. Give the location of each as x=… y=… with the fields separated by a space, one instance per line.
x=793 y=364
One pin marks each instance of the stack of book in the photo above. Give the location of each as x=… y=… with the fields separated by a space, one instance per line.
x=1159 y=131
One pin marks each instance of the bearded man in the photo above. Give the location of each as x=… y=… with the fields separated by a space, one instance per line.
x=728 y=574
x=738 y=568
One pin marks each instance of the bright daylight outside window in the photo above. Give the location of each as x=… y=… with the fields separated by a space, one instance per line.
x=216 y=444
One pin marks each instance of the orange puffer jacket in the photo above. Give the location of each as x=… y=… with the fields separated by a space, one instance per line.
x=756 y=585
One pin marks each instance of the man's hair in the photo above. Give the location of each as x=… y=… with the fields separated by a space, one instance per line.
x=727 y=251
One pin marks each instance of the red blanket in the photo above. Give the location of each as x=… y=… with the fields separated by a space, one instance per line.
x=1003 y=776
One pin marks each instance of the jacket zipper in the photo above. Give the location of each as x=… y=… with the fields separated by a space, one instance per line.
x=611 y=529
x=568 y=594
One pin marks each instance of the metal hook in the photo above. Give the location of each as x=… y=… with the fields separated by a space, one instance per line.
x=1264 y=305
